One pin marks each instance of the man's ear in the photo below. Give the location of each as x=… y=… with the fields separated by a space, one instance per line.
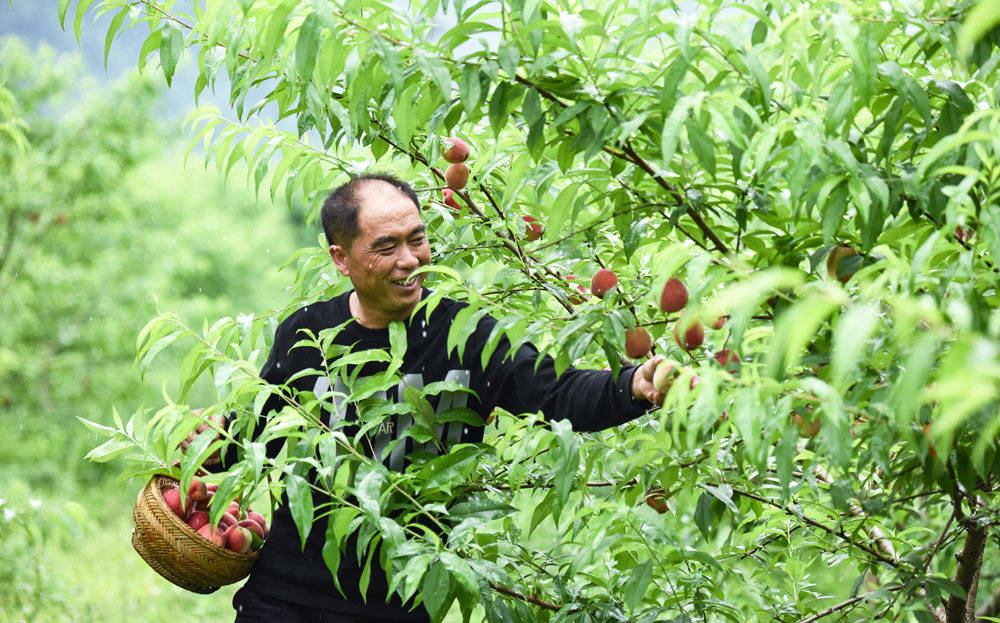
x=339 y=256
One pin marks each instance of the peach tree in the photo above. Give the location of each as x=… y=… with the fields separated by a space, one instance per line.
x=821 y=177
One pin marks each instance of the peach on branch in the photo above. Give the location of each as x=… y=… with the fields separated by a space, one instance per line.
x=807 y=428
x=716 y=320
x=726 y=357
x=456 y=176
x=674 y=296
x=664 y=375
x=455 y=150
x=449 y=199
x=602 y=281
x=656 y=499
x=962 y=234
x=533 y=229
x=576 y=299
x=837 y=255
x=638 y=342
x=689 y=333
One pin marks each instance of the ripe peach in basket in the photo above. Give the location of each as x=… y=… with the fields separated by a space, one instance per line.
x=252 y=526
x=254 y=515
x=213 y=534
x=197 y=520
x=227 y=521
x=198 y=491
x=238 y=539
x=173 y=500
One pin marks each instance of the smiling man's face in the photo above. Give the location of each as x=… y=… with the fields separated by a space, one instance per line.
x=391 y=244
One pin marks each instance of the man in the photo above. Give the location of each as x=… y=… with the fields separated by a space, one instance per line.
x=378 y=240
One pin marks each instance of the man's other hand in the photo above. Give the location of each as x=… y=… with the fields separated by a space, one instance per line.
x=215 y=421
x=642 y=382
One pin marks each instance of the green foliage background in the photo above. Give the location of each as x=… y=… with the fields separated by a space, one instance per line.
x=103 y=225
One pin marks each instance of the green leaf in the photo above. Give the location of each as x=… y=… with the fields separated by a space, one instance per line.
x=851 y=337
x=702 y=146
x=703 y=516
x=300 y=502
x=638 y=581
x=567 y=459
x=171 y=46
x=307 y=46
x=480 y=507
x=62 y=7
x=437 y=590
x=81 y=10
x=560 y=209
x=499 y=104
x=469 y=89
x=840 y=105
x=113 y=28
x=110 y=449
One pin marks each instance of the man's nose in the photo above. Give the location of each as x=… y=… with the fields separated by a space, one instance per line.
x=407 y=258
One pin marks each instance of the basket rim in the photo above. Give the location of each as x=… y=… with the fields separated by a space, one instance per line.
x=155 y=486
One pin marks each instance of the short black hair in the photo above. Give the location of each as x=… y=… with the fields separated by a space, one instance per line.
x=339 y=216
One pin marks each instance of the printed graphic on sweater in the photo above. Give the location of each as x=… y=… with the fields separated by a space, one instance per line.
x=447 y=432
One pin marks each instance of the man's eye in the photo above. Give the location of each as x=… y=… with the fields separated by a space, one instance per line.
x=418 y=240
x=385 y=250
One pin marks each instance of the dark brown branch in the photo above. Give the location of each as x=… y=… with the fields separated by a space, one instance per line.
x=970 y=559
x=843 y=605
x=541 y=603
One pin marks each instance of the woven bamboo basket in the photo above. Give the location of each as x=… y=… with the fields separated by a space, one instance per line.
x=177 y=552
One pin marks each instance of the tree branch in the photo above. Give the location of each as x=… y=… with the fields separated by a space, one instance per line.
x=970 y=559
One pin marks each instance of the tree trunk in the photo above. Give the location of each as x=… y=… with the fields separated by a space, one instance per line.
x=970 y=559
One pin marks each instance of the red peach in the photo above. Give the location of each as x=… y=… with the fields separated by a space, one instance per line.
x=449 y=199
x=637 y=342
x=197 y=520
x=172 y=498
x=455 y=150
x=255 y=516
x=674 y=296
x=213 y=534
x=198 y=491
x=227 y=520
x=602 y=281
x=238 y=539
x=533 y=229
x=693 y=331
x=726 y=357
x=252 y=526
x=456 y=176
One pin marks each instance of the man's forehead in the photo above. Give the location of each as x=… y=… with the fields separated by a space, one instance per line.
x=386 y=211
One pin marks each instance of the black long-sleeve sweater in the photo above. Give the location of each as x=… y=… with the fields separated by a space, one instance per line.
x=590 y=399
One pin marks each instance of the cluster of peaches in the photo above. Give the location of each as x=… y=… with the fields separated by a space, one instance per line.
x=455 y=151
x=237 y=530
x=689 y=332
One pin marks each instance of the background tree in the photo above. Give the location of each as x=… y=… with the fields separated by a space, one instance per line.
x=822 y=174
x=94 y=236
